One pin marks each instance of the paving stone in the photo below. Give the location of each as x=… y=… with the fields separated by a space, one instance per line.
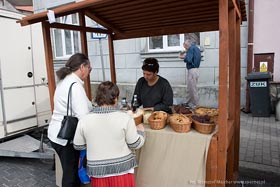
x=258 y=159
x=267 y=161
x=24 y=172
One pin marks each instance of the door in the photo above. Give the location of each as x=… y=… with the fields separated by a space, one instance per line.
x=17 y=81
x=264 y=61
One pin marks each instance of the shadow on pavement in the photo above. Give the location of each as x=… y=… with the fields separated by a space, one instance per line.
x=257 y=178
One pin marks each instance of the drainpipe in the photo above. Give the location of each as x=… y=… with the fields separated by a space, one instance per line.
x=250 y=49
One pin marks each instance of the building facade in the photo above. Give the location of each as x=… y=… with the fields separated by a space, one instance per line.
x=129 y=55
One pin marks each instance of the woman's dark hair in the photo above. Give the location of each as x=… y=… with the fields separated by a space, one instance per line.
x=72 y=65
x=106 y=93
x=151 y=65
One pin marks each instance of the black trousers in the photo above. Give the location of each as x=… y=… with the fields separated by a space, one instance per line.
x=69 y=158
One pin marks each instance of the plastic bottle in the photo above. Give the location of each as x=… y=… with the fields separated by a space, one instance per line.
x=124 y=105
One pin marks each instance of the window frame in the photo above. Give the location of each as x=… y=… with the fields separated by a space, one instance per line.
x=66 y=20
x=165 y=44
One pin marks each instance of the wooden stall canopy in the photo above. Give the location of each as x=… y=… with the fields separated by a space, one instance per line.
x=124 y=19
x=141 y=18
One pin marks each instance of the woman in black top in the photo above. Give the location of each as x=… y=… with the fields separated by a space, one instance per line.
x=153 y=91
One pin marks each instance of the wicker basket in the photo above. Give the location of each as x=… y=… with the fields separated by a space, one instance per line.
x=180 y=123
x=206 y=110
x=138 y=119
x=157 y=120
x=204 y=128
x=213 y=113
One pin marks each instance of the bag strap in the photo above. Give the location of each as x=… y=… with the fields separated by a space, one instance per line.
x=69 y=101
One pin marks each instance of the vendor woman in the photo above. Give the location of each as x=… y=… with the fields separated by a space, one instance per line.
x=153 y=91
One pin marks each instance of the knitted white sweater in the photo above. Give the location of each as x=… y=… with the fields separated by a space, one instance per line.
x=109 y=135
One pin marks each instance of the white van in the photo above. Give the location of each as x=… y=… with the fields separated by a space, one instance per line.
x=24 y=95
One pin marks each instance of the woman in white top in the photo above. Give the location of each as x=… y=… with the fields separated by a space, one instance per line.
x=110 y=136
x=76 y=70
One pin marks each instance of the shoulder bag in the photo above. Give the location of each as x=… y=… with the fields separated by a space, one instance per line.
x=69 y=122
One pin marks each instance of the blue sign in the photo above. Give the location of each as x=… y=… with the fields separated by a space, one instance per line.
x=98 y=35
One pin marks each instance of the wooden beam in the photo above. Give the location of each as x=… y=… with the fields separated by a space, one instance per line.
x=49 y=61
x=154 y=5
x=169 y=10
x=83 y=34
x=223 y=89
x=102 y=22
x=230 y=152
x=212 y=162
x=230 y=162
x=78 y=28
x=60 y=11
x=232 y=63
x=237 y=95
x=195 y=27
x=173 y=20
x=236 y=7
x=230 y=132
x=112 y=59
x=232 y=97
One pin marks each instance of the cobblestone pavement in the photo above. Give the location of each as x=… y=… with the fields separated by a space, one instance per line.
x=24 y=172
x=256 y=178
x=260 y=142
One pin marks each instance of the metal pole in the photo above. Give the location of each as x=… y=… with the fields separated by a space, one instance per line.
x=102 y=60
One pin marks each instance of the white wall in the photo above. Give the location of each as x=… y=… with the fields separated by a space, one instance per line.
x=266 y=31
x=129 y=55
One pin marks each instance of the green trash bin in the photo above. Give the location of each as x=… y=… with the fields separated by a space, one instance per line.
x=259 y=88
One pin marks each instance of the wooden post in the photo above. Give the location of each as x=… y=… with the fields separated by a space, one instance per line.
x=232 y=91
x=112 y=58
x=223 y=89
x=237 y=95
x=211 y=163
x=85 y=51
x=49 y=60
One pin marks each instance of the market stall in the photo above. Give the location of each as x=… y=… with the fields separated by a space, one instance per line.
x=124 y=19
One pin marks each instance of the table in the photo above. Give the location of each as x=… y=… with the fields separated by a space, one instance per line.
x=172 y=159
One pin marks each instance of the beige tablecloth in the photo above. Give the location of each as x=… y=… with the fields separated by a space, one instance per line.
x=171 y=159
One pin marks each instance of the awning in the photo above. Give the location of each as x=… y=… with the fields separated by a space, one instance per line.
x=142 y=18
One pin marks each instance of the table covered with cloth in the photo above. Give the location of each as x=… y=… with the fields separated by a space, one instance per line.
x=172 y=159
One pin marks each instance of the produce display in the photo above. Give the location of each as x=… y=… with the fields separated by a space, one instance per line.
x=159 y=115
x=202 y=119
x=180 y=109
x=180 y=123
x=210 y=114
x=206 y=111
x=204 y=124
x=138 y=115
x=157 y=120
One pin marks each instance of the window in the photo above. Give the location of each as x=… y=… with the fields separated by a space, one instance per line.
x=66 y=42
x=171 y=42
